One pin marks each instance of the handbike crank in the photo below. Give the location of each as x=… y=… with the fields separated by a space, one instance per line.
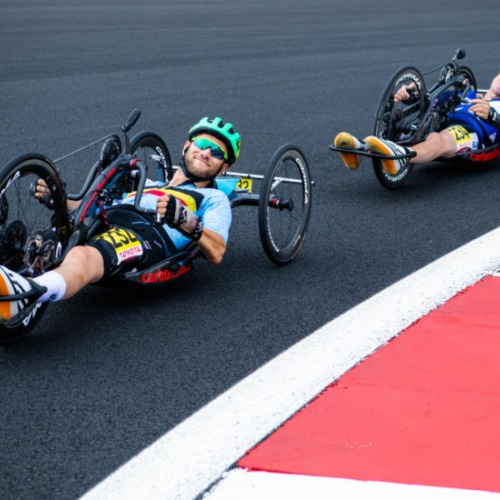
x=39 y=252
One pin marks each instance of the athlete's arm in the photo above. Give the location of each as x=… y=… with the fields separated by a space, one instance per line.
x=178 y=216
x=403 y=94
x=42 y=191
x=481 y=108
x=212 y=245
x=493 y=118
x=494 y=90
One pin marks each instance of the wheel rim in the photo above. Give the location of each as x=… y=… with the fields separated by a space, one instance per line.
x=397 y=118
x=288 y=215
x=29 y=236
x=154 y=159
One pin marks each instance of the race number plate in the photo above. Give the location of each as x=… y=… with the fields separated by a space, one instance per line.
x=125 y=244
x=245 y=183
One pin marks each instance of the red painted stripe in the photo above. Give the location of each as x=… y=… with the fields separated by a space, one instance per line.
x=424 y=409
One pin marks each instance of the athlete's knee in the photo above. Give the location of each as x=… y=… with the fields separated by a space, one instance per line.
x=434 y=137
x=448 y=143
x=86 y=261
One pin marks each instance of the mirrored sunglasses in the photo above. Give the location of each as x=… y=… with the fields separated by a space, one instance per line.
x=216 y=150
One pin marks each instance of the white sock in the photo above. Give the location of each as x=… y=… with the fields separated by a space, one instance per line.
x=55 y=284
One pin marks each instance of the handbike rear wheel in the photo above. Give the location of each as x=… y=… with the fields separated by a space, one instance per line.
x=399 y=121
x=150 y=149
x=285 y=204
x=33 y=234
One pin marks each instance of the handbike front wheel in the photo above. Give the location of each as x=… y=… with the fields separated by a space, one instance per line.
x=33 y=233
x=150 y=149
x=399 y=122
x=285 y=204
x=467 y=72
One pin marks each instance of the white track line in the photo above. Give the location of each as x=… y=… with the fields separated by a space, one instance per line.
x=182 y=463
x=242 y=485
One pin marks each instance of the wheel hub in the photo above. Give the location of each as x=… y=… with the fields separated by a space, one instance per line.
x=12 y=242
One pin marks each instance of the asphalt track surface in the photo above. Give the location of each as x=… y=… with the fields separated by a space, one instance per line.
x=110 y=371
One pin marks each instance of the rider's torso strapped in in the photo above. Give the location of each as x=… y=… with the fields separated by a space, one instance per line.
x=135 y=240
x=486 y=134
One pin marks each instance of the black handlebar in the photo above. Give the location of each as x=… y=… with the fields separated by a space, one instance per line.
x=136 y=164
x=465 y=91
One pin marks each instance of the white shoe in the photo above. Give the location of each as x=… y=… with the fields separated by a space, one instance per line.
x=388 y=148
x=345 y=140
x=12 y=283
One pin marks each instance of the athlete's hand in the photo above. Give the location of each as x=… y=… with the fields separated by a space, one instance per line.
x=480 y=108
x=42 y=190
x=161 y=205
x=176 y=215
x=402 y=94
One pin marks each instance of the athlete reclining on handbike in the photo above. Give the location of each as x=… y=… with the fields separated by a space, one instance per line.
x=190 y=206
x=470 y=127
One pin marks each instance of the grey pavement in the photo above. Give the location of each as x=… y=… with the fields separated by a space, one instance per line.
x=110 y=371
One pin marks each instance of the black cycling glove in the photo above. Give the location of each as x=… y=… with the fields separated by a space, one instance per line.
x=493 y=118
x=181 y=218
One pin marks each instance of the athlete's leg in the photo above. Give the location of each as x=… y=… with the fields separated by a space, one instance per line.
x=82 y=266
x=442 y=144
x=438 y=144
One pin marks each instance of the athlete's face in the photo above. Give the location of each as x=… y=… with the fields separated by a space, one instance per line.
x=200 y=162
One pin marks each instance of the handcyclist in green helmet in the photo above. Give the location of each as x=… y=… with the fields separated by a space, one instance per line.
x=190 y=207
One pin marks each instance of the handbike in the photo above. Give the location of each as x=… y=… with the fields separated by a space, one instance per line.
x=36 y=234
x=411 y=121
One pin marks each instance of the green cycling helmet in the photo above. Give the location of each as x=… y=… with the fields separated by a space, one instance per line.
x=222 y=131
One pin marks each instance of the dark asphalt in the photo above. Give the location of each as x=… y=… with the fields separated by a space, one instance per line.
x=110 y=371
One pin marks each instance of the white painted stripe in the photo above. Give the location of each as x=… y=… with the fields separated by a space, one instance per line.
x=182 y=463
x=242 y=485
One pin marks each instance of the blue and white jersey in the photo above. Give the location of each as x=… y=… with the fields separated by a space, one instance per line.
x=463 y=116
x=210 y=204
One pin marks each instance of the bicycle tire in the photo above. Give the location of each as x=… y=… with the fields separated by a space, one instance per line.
x=150 y=149
x=390 y=125
x=468 y=73
x=23 y=219
x=285 y=204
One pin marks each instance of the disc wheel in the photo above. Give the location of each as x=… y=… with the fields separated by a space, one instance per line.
x=399 y=121
x=33 y=234
x=285 y=204
x=150 y=149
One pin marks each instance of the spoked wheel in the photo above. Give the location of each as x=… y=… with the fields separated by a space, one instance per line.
x=33 y=233
x=467 y=72
x=462 y=71
x=399 y=121
x=285 y=204
x=150 y=149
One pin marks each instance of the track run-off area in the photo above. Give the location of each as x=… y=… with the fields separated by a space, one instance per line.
x=110 y=372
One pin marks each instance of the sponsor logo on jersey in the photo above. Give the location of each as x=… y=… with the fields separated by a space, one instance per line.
x=124 y=242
